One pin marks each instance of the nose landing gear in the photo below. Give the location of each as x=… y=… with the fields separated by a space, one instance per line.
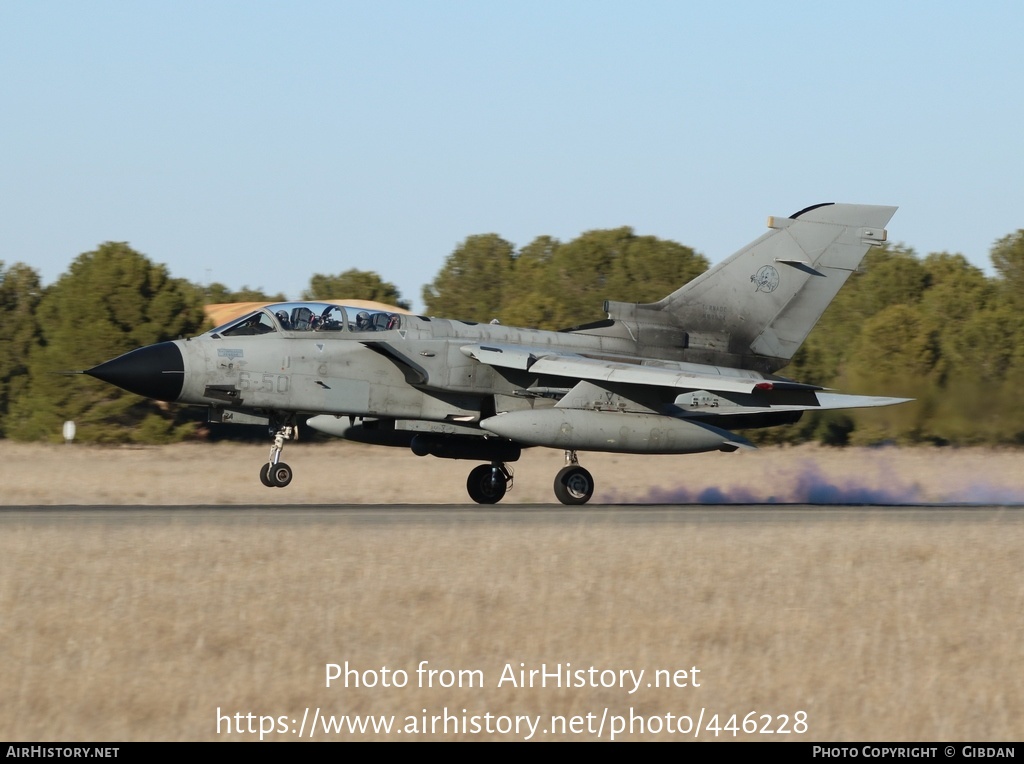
x=275 y=473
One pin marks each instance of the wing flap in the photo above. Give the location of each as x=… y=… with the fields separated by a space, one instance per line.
x=577 y=367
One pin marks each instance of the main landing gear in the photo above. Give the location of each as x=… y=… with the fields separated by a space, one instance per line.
x=275 y=473
x=488 y=483
x=573 y=484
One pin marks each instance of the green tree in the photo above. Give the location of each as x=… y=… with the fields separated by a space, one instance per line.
x=20 y=292
x=1005 y=334
x=471 y=282
x=1008 y=259
x=648 y=268
x=889 y=275
x=957 y=294
x=111 y=301
x=551 y=285
x=894 y=355
x=528 y=297
x=616 y=264
x=217 y=293
x=354 y=284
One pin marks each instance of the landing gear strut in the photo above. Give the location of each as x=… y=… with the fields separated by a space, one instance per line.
x=275 y=473
x=573 y=484
x=488 y=483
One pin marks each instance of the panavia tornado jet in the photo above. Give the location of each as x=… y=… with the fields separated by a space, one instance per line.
x=676 y=376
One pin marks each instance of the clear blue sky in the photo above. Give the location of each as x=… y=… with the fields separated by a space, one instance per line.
x=258 y=143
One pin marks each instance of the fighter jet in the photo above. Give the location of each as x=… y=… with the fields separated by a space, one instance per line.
x=675 y=376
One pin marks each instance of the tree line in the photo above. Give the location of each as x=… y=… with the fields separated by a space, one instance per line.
x=935 y=329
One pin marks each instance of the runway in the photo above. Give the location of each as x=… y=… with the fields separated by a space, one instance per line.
x=540 y=514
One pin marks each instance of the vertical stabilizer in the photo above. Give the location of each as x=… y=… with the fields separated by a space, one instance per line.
x=757 y=307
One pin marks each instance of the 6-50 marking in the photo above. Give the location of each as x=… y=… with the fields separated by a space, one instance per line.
x=262 y=383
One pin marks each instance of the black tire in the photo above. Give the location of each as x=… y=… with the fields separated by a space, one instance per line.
x=486 y=484
x=265 y=475
x=280 y=474
x=574 y=485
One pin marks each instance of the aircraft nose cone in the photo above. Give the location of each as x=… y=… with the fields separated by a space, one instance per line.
x=155 y=371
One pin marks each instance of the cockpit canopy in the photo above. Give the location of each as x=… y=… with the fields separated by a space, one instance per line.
x=309 y=317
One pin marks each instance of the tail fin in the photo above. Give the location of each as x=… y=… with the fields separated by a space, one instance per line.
x=755 y=309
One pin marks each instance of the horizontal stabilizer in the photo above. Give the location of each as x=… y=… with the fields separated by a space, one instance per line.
x=839 y=401
x=819 y=401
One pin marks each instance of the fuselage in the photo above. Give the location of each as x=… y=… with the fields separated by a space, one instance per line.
x=408 y=367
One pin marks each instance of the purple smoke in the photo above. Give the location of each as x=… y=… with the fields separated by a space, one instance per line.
x=809 y=486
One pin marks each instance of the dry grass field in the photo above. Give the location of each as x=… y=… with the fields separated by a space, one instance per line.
x=344 y=473
x=118 y=625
